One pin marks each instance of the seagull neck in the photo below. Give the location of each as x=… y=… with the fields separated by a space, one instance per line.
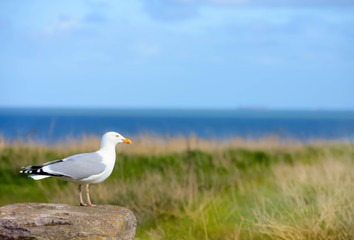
x=107 y=147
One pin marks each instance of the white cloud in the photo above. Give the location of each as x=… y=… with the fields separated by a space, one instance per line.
x=187 y=9
x=61 y=25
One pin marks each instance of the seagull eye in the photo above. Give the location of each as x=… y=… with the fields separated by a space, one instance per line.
x=117 y=136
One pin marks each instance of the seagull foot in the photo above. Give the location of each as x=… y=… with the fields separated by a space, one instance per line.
x=83 y=204
x=91 y=205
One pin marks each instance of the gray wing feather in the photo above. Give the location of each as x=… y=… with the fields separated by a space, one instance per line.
x=79 y=166
x=35 y=167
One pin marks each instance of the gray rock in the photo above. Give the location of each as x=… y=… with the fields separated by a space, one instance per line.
x=61 y=221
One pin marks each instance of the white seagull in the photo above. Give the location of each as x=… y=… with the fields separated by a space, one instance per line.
x=84 y=168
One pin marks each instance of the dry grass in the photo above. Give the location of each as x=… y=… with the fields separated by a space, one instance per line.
x=316 y=202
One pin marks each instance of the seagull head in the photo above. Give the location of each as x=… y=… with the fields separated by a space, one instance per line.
x=114 y=138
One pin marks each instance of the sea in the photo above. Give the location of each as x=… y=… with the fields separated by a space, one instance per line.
x=54 y=125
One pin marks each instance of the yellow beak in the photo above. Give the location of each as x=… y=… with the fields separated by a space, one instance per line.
x=126 y=140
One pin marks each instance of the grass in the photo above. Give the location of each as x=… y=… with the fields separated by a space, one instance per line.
x=194 y=189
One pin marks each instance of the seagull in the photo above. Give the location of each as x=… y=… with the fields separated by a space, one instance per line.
x=84 y=168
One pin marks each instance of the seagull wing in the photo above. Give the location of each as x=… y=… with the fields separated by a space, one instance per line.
x=78 y=166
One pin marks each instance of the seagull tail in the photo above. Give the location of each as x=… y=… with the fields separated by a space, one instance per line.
x=36 y=173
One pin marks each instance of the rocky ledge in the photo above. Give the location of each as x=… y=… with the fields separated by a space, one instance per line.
x=61 y=221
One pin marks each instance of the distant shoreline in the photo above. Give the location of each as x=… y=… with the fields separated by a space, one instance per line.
x=48 y=125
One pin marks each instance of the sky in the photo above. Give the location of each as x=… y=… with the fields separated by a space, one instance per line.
x=218 y=54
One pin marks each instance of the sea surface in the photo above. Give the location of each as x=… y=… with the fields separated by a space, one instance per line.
x=52 y=125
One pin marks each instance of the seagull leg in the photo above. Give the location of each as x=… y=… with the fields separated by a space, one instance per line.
x=88 y=196
x=81 y=201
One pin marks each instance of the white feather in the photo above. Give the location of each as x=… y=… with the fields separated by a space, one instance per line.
x=38 y=177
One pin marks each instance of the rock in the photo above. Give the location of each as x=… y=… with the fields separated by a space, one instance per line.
x=61 y=221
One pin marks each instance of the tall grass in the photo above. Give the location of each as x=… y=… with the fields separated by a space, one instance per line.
x=196 y=189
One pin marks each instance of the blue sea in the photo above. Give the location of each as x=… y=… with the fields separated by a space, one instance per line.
x=52 y=125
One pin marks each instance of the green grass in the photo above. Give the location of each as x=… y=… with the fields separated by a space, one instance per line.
x=253 y=191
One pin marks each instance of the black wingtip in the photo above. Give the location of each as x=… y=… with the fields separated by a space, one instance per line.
x=36 y=171
x=41 y=172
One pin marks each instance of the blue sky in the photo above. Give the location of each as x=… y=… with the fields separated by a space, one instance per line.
x=293 y=54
